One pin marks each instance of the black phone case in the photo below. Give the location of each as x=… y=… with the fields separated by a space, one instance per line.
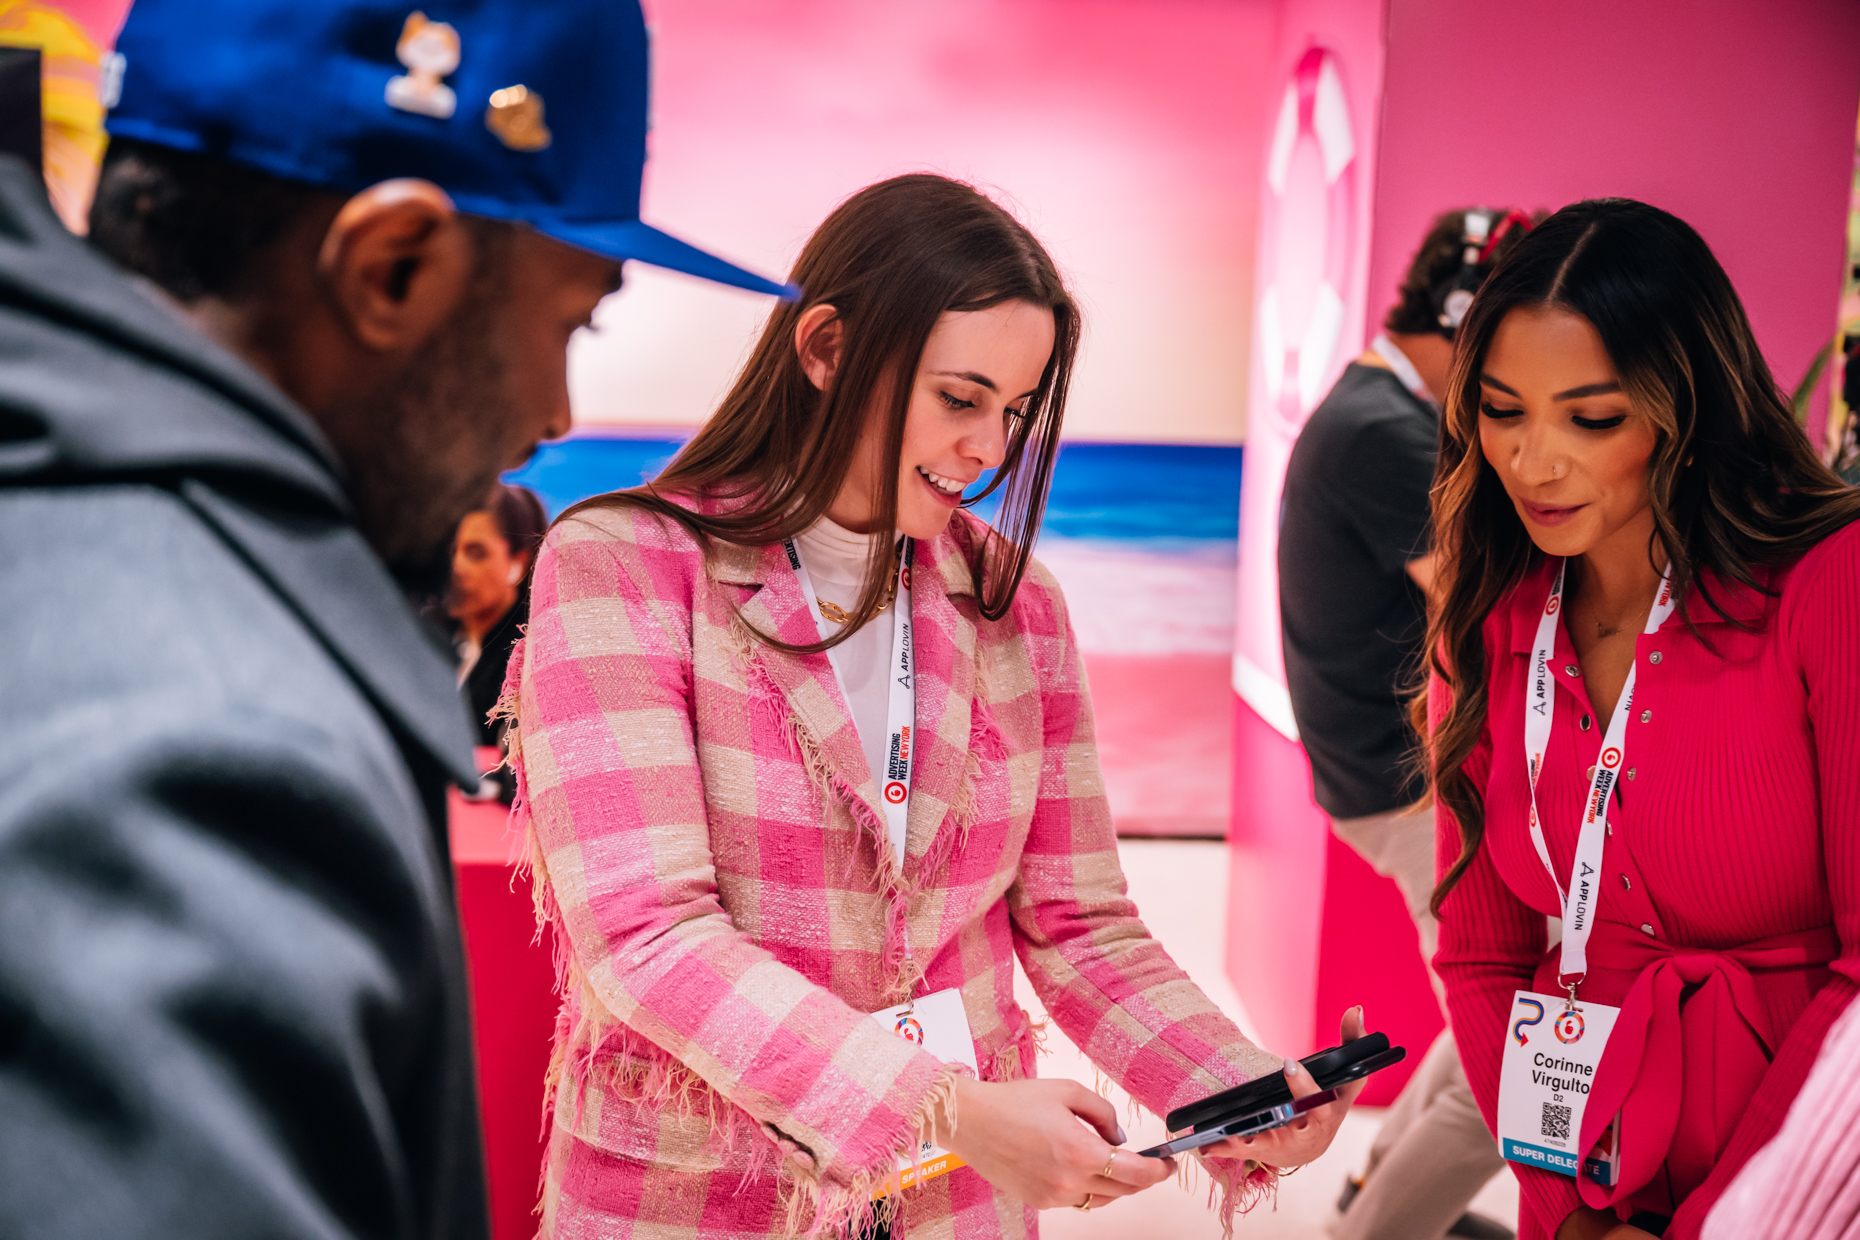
x=1328 y=1068
x=1246 y=1124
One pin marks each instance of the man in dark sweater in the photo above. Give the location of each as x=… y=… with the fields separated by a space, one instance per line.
x=232 y=993
x=1355 y=565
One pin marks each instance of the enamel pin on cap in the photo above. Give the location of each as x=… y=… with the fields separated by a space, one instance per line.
x=430 y=50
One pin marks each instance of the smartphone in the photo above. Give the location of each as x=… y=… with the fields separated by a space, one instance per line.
x=1329 y=1068
x=1251 y=1119
x=1245 y=1126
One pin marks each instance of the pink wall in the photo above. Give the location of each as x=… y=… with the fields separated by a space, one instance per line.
x=1128 y=133
x=1737 y=117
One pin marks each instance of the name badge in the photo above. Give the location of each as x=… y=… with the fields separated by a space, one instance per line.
x=938 y=1024
x=1551 y=1053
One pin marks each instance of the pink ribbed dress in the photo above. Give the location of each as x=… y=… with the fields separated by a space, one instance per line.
x=1728 y=929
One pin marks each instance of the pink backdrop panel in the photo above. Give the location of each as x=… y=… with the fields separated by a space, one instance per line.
x=1312 y=248
x=1275 y=893
x=1126 y=133
x=1370 y=954
x=1737 y=117
x=1307 y=935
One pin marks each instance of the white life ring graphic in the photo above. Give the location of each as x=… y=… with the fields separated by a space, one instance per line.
x=1310 y=225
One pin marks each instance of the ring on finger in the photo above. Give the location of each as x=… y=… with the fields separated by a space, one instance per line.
x=1084 y=1207
x=1108 y=1164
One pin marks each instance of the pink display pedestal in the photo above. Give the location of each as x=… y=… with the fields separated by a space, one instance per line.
x=513 y=1010
x=1312 y=930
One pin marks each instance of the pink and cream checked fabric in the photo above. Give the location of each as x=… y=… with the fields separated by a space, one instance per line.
x=729 y=909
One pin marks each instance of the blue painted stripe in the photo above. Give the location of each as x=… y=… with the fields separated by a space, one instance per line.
x=1145 y=493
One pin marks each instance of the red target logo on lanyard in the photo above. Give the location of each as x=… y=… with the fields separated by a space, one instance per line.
x=1554 y=605
x=895 y=793
x=1611 y=757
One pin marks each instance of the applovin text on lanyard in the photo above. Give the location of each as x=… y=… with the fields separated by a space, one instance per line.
x=894 y=782
x=1578 y=900
x=1549 y=1062
x=936 y=1022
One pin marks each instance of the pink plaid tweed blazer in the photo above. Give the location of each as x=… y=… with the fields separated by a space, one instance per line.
x=728 y=909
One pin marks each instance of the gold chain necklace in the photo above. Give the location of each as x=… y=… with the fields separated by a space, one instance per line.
x=839 y=615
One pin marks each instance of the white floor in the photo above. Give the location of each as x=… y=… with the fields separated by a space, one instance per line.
x=1180 y=887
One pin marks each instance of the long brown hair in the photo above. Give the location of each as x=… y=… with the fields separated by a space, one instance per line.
x=1734 y=481
x=891 y=260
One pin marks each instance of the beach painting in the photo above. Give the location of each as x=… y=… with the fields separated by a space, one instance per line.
x=1143 y=538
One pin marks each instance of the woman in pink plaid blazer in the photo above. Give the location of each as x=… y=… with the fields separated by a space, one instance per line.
x=711 y=845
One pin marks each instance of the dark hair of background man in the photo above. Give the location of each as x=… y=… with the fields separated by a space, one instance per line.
x=1436 y=264
x=1438 y=260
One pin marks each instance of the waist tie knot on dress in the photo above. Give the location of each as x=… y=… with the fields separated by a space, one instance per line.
x=1692 y=1015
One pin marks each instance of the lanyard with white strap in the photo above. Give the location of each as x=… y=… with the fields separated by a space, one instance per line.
x=894 y=782
x=938 y=1023
x=1539 y=712
x=1398 y=362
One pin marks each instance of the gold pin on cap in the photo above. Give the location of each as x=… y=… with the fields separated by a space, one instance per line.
x=516 y=118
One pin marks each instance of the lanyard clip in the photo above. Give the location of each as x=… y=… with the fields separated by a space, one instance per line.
x=1571 y=988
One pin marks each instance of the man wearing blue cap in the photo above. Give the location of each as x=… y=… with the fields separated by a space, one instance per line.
x=232 y=997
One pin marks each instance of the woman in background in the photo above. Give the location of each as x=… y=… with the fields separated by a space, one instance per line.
x=1625 y=503
x=489 y=599
x=805 y=742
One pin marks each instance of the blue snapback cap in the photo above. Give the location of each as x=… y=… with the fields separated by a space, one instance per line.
x=531 y=112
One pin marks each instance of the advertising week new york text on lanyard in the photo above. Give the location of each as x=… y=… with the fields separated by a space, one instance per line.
x=1554 y=1042
x=936 y=1022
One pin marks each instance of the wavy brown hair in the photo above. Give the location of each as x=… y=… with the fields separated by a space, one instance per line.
x=1734 y=481
x=891 y=261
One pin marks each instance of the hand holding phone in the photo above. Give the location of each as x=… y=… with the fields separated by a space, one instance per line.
x=1025 y=1138
x=1295 y=1135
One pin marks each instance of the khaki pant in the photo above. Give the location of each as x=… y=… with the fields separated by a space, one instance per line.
x=1434 y=1152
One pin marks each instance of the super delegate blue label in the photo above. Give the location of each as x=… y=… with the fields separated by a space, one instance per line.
x=1538 y=1156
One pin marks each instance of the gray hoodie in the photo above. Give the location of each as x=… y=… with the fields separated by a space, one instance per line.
x=232 y=996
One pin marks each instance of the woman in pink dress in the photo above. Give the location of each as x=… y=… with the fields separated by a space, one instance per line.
x=1644 y=718
x=806 y=743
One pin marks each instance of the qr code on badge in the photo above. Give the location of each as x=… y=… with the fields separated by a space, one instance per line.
x=1556 y=1122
